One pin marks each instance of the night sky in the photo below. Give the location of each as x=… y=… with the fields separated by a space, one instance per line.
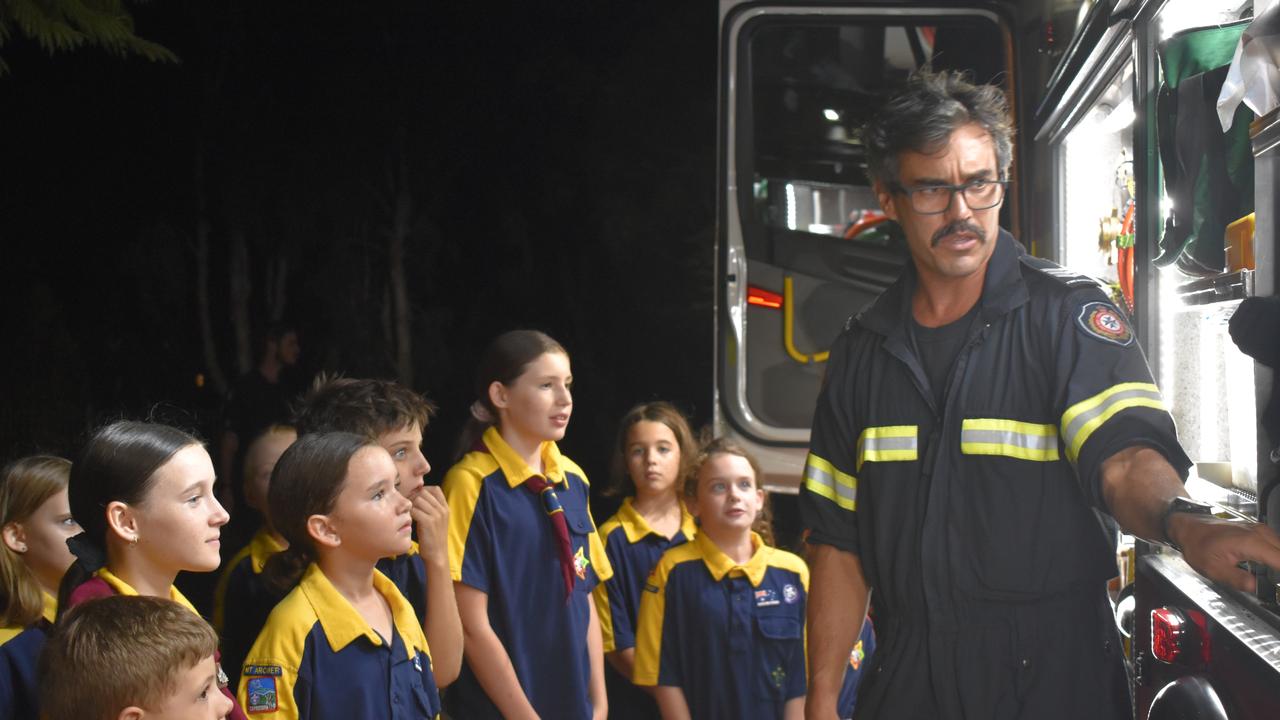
x=559 y=160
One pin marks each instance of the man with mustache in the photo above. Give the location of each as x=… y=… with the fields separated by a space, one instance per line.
x=971 y=421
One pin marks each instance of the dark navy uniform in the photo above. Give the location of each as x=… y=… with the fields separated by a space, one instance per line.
x=634 y=549
x=19 y=652
x=318 y=658
x=730 y=636
x=242 y=600
x=501 y=543
x=974 y=519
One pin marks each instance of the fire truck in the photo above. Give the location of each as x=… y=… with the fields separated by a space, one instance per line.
x=1109 y=180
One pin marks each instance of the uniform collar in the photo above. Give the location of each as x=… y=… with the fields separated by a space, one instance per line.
x=634 y=525
x=50 y=607
x=123 y=588
x=514 y=468
x=261 y=547
x=720 y=564
x=342 y=623
x=1002 y=290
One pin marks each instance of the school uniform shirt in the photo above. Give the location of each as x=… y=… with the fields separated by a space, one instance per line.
x=243 y=600
x=317 y=658
x=633 y=549
x=409 y=573
x=501 y=543
x=19 y=651
x=104 y=583
x=730 y=636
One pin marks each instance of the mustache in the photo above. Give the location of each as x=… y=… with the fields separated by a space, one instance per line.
x=954 y=228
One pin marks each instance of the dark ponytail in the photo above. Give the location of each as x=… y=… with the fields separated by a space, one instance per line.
x=306 y=481
x=504 y=360
x=118 y=464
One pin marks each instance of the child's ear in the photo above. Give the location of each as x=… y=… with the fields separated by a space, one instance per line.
x=498 y=394
x=322 y=530
x=122 y=520
x=15 y=538
x=132 y=713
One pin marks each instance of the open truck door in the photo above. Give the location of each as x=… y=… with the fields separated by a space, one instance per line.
x=801 y=242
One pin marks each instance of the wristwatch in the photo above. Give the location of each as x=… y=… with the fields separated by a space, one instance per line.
x=1182 y=505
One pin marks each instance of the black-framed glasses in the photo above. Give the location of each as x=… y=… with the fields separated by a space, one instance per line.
x=979 y=194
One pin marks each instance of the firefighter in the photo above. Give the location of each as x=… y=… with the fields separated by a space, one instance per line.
x=972 y=419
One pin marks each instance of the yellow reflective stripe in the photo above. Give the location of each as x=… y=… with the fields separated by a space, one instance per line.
x=886 y=444
x=1010 y=438
x=822 y=478
x=1086 y=416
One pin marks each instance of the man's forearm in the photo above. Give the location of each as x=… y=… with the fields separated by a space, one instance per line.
x=838 y=598
x=1138 y=484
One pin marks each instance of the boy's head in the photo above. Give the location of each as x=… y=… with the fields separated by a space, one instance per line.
x=385 y=412
x=127 y=658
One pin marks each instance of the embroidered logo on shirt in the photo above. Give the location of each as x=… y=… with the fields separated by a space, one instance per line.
x=767 y=597
x=1103 y=321
x=417 y=663
x=261 y=693
x=857 y=656
x=263 y=670
x=790 y=594
x=580 y=563
x=779 y=677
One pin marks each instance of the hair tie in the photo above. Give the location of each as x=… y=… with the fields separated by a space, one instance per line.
x=480 y=412
x=89 y=555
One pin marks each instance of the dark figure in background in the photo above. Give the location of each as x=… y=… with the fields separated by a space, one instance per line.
x=258 y=399
x=972 y=419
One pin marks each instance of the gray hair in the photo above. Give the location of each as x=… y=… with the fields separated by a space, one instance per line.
x=924 y=114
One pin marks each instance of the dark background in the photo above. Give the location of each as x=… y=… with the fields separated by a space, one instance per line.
x=558 y=159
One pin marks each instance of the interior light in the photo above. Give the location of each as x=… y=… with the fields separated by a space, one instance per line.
x=791 y=206
x=832 y=115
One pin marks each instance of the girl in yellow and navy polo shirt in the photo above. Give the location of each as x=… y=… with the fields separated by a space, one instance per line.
x=523 y=549
x=344 y=643
x=655 y=446
x=242 y=600
x=721 y=631
x=35 y=521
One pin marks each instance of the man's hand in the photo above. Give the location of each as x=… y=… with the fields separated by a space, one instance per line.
x=430 y=513
x=1214 y=547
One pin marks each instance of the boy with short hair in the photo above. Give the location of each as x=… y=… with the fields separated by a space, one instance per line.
x=129 y=657
x=394 y=417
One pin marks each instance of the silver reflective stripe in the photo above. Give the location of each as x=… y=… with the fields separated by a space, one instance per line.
x=1009 y=437
x=1077 y=423
x=822 y=478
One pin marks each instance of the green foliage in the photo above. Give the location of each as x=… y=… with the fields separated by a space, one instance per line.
x=65 y=25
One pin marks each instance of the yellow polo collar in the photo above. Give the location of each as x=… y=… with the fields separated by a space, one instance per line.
x=514 y=468
x=720 y=565
x=636 y=528
x=342 y=623
x=50 y=607
x=261 y=547
x=124 y=588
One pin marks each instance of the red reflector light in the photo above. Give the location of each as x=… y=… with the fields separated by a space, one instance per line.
x=763 y=298
x=1179 y=636
x=1168 y=627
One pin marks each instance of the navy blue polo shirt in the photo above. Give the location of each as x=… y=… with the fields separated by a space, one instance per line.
x=242 y=600
x=318 y=658
x=633 y=549
x=501 y=543
x=19 y=653
x=409 y=573
x=730 y=636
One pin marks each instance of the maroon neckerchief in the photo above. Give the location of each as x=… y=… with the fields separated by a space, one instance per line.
x=546 y=490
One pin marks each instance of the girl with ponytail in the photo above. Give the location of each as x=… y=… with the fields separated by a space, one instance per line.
x=344 y=642
x=143 y=494
x=35 y=522
x=523 y=550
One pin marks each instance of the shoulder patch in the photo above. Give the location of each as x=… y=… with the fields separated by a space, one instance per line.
x=260 y=692
x=262 y=670
x=1103 y=321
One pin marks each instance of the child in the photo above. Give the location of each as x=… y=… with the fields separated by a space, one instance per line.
x=143 y=493
x=654 y=447
x=523 y=549
x=393 y=416
x=721 y=631
x=242 y=600
x=129 y=658
x=35 y=522
x=344 y=643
